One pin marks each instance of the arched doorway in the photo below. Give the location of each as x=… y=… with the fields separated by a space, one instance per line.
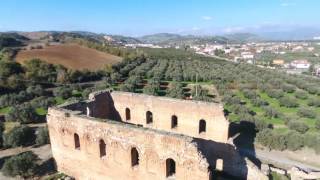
x=134 y=157
x=170 y=167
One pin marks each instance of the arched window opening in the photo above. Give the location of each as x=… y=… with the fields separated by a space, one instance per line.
x=174 y=121
x=170 y=167
x=76 y=141
x=149 y=117
x=128 y=115
x=202 y=126
x=219 y=164
x=102 y=147
x=134 y=157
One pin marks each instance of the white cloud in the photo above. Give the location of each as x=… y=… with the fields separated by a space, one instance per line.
x=287 y=4
x=234 y=29
x=206 y=18
x=196 y=28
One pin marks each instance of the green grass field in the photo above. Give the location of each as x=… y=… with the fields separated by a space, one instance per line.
x=41 y=111
x=278 y=123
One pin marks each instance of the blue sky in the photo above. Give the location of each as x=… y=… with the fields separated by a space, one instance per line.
x=139 y=17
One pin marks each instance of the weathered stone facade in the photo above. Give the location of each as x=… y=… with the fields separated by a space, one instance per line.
x=131 y=136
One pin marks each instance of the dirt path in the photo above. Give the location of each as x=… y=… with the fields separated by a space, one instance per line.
x=302 y=159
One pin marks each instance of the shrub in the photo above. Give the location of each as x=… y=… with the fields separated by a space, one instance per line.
x=42 y=102
x=275 y=93
x=301 y=95
x=64 y=92
x=279 y=141
x=24 y=114
x=259 y=102
x=314 y=102
x=200 y=94
x=35 y=90
x=232 y=100
x=309 y=139
x=317 y=124
x=312 y=89
x=288 y=88
x=294 y=141
x=1 y=133
x=239 y=109
x=152 y=88
x=127 y=87
x=86 y=92
x=19 y=136
x=288 y=119
x=175 y=91
x=14 y=99
x=42 y=136
x=265 y=137
x=23 y=164
x=271 y=112
x=288 y=102
x=276 y=176
x=250 y=94
x=298 y=126
x=260 y=125
x=307 y=113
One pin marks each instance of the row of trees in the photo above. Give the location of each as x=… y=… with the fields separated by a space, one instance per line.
x=24 y=136
x=291 y=140
x=13 y=76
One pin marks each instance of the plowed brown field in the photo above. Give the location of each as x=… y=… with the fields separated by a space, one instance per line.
x=70 y=55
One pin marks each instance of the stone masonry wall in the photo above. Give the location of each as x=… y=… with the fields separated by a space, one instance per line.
x=153 y=146
x=189 y=113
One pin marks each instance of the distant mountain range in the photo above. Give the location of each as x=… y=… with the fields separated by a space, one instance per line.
x=176 y=39
x=295 y=34
x=170 y=38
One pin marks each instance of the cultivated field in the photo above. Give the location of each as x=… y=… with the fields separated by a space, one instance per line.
x=70 y=55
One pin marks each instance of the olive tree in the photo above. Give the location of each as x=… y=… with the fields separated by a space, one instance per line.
x=19 y=136
x=23 y=164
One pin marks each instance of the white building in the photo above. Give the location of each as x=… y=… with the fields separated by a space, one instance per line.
x=300 y=64
x=247 y=55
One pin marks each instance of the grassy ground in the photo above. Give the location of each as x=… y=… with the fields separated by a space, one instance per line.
x=59 y=100
x=5 y=110
x=41 y=111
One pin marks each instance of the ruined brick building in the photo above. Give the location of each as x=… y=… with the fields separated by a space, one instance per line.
x=127 y=136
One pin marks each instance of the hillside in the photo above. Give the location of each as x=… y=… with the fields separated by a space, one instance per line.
x=243 y=37
x=70 y=55
x=11 y=40
x=171 y=39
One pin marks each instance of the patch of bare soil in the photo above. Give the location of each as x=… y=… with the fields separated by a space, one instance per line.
x=70 y=55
